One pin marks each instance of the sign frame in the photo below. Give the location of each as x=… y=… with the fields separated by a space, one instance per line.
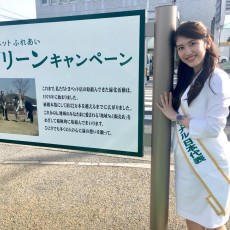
x=141 y=15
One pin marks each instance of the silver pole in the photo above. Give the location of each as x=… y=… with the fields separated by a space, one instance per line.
x=166 y=18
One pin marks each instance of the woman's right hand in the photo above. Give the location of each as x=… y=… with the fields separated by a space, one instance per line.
x=166 y=106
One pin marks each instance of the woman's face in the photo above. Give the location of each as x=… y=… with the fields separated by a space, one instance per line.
x=191 y=52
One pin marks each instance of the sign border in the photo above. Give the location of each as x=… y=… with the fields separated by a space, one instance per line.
x=141 y=14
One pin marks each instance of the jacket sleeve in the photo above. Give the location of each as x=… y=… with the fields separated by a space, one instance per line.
x=216 y=109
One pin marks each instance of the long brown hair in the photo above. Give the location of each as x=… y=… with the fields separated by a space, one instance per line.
x=194 y=30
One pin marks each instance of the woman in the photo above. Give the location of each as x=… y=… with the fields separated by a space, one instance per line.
x=199 y=105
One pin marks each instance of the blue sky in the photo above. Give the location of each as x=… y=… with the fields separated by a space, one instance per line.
x=7 y=86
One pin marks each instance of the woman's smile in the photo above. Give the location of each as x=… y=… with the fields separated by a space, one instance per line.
x=191 y=51
x=191 y=58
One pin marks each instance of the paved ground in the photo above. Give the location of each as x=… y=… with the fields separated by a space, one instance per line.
x=53 y=189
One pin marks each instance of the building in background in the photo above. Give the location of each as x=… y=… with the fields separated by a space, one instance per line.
x=222 y=27
x=188 y=10
x=203 y=10
x=211 y=12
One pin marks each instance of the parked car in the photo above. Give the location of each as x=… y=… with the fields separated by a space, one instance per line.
x=223 y=59
x=225 y=66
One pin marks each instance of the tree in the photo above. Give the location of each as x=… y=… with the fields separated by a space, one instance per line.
x=21 y=85
x=228 y=39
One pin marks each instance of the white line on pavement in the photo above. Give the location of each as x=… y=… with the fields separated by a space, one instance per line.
x=126 y=165
x=148 y=117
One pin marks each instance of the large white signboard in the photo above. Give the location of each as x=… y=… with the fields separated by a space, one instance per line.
x=84 y=78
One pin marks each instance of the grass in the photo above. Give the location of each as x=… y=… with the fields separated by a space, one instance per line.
x=20 y=126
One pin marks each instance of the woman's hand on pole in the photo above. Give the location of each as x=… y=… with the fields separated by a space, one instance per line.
x=166 y=106
x=167 y=109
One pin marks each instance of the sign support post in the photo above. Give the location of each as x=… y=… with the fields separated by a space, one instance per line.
x=166 y=18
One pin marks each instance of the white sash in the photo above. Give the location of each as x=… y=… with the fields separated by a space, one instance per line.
x=207 y=170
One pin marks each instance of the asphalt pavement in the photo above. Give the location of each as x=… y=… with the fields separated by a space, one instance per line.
x=45 y=188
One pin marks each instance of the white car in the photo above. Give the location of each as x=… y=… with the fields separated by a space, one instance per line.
x=223 y=59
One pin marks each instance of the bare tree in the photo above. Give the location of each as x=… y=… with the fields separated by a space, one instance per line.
x=21 y=85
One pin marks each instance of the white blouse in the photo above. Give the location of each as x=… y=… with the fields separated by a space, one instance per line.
x=208 y=112
x=210 y=108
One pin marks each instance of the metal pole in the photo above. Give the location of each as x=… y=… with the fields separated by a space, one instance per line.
x=166 y=19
